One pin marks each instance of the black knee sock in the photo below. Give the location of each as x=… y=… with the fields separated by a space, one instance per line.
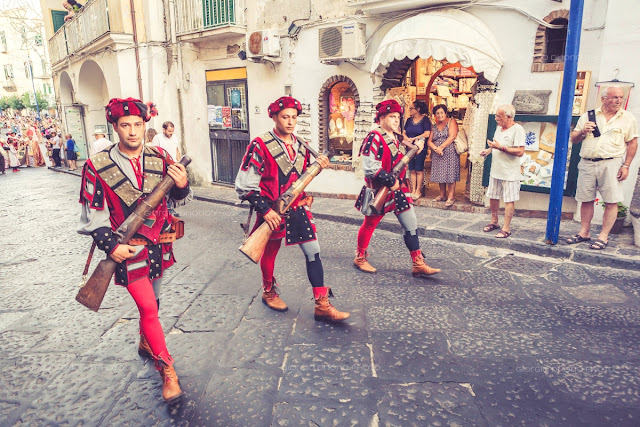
x=158 y=302
x=315 y=272
x=411 y=240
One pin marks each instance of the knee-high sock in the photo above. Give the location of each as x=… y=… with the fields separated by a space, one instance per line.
x=315 y=272
x=366 y=231
x=268 y=262
x=411 y=240
x=142 y=293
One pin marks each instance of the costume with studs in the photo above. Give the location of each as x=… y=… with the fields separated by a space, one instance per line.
x=269 y=167
x=113 y=184
x=380 y=153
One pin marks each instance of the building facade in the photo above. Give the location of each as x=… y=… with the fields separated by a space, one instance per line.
x=213 y=66
x=22 y=51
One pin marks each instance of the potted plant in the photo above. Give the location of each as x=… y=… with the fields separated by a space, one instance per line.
x=622 y=214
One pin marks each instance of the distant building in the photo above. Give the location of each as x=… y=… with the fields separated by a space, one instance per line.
x=23 y=43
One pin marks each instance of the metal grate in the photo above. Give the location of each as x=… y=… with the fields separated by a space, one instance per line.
x=330 y=42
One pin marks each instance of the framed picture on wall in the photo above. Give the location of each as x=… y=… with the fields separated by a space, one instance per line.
x=581 y=93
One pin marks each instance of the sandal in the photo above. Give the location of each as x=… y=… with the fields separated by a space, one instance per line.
x=503 y=234
x=598 y=245
x=490 y=227
x=450 y=202
x=439 y=199
x=577 y=239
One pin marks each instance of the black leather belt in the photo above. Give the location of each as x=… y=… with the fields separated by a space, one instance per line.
x=597 y=159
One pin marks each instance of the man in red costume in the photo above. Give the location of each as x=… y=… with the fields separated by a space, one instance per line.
x=272 y=163
x=380 y=153
x=114 y=181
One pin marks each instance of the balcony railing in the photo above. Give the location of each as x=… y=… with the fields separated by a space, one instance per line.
x=9 y=85
x=201 y=15
x=94 y=20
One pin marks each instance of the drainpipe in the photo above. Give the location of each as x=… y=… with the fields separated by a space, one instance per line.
x=564 y=121
x=176 y=54
x=135 y=44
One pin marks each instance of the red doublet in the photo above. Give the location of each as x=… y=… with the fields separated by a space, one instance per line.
x=152 y=259
x=375 y=145
x=299 y=228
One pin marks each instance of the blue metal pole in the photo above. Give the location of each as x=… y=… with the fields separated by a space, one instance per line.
x=564 y=121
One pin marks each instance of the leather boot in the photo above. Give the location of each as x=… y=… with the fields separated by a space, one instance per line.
x=144 y=349
x=171 y=391
x=324 y=310
x=361 y=263
x=420 y=268
x=271 y=297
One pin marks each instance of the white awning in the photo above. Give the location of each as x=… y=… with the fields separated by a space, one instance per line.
x=449 y=34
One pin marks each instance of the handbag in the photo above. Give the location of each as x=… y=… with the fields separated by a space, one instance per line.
x=461 y=143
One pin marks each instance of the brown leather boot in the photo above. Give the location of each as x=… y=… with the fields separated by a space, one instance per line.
x=171 y=392
x=144 y=349
x=361 y=263
x=271 y=298
x=420 y=268
x=324 y=310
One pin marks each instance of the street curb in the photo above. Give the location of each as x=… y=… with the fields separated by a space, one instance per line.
x=563 y=252
x=76 y=173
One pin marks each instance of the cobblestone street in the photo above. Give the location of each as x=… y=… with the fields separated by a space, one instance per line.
x=494 y=339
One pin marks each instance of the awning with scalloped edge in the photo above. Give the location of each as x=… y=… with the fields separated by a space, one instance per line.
x=449 y=34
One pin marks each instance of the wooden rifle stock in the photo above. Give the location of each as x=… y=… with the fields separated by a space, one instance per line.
x=255 y=244
x=377 y=206
x=92 y=293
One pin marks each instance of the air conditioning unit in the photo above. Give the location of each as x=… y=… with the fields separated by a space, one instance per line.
x=263 y=44
x=342 y=43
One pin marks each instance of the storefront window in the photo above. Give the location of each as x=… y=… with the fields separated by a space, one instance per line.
x=227 y=99
x=342 y=112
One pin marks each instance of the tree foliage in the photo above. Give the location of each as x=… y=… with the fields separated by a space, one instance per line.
x=42 y=101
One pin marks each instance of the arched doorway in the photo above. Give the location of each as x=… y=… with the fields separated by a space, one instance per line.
x=339 y=101
x=66 y=90
x=418 y=62
x=93 y=95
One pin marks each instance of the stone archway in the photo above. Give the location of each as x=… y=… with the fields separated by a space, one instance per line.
x=93 y=94
x=323 y=104
x=66 y=92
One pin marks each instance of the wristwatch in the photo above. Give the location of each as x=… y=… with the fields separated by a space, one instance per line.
x=625 y=166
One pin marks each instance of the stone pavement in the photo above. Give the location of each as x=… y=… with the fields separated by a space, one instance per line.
x=498 y=338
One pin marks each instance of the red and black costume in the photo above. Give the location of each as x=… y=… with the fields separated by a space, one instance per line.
x=380 y=153
x=269 y=167
x=113 y=184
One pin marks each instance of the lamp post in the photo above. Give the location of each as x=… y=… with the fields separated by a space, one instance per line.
x=572 y=50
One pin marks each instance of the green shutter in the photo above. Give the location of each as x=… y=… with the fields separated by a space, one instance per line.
x=218 y=13
x=57 y=16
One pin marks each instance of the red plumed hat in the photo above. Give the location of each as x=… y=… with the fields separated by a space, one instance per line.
x=282 y=103
x=387 y=107
x=129 y=107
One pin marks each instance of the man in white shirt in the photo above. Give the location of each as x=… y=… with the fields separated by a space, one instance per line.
x=504 y=182
x=100 y=143
x=605 y=160
x=168 y=141
x=56 y=143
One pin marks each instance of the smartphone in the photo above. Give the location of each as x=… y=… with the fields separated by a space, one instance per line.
x=591 y=114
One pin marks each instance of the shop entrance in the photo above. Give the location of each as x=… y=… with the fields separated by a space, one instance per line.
x=228 y=121
x=439 y=83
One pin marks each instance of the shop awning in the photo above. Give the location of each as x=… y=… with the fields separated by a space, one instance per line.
x=449 y=34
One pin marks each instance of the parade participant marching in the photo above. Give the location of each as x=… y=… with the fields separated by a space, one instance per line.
x=380 y=152
x=14 y=160
x=114 y=182
x=272 y=163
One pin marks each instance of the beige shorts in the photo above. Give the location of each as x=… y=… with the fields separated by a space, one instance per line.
x=508 y=191
x=599 y=176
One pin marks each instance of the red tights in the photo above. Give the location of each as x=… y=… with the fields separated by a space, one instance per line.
x=268 y=262
x=366 y=231
x=142 y=293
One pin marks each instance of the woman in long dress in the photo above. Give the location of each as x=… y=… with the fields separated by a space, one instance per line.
x=445 y=162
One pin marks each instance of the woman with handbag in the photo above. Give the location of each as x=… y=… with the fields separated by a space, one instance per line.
x=417 y=127
x=445 y=162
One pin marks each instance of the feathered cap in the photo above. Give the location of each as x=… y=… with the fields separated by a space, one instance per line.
x=282 y=103
x=129 y=107
x=387 y=107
